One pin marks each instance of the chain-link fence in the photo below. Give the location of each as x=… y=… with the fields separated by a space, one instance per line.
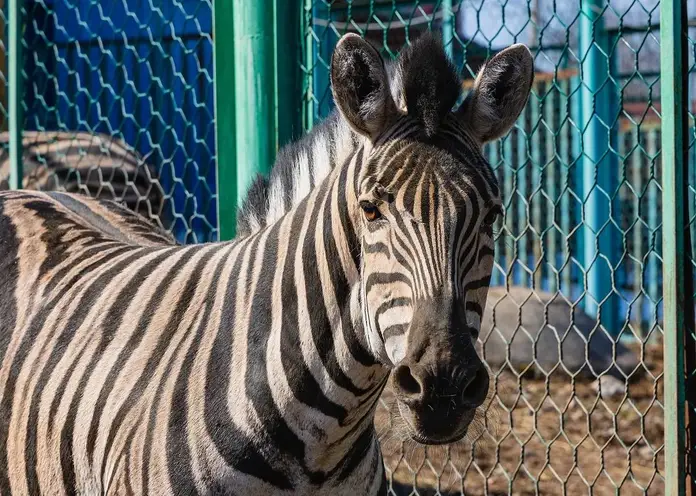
x=574 y=327
x=118 y=103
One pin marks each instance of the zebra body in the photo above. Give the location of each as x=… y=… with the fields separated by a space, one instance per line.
x=93 y=164
x=132 y=365
x=186 y=375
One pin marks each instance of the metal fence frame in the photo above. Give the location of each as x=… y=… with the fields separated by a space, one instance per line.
x=677 y=272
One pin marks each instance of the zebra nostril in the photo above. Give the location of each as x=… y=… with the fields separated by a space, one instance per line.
x=406 y=384
x=476 y=389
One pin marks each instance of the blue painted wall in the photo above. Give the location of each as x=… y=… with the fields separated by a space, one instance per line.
x=138 y=70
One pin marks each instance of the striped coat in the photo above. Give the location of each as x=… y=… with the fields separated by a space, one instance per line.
x=92 y=164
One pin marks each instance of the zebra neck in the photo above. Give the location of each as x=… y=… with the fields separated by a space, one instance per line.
x=302 y=167
x=310 y=375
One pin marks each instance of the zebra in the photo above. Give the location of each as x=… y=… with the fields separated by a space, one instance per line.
x=95 y=164
x=131 y=364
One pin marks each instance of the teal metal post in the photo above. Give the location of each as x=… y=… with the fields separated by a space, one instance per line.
x=509 y=187
x=288 y=77
x=16 y=118
x=225 y=137
x=551 y=172
x=309 y=63
x=567 y=155
x=575 y=243
x=448 y=27
x=245 y=100
x=676 y=291
x=596 y=166
x=521 y=274
x=535 y=197
x=323 y=49
x=254 y=90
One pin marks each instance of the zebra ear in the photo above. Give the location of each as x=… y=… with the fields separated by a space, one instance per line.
x=499 y=94
x=360 y=86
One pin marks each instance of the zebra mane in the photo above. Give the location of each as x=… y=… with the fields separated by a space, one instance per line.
x=301 y=165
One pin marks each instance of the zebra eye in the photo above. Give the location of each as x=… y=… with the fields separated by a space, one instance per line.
x=491 y=217
x=371 y=212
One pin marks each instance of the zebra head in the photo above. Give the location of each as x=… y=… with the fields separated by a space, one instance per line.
x=423 y=211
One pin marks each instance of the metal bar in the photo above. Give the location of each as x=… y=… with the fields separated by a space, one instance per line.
x=363 y=27
x=575 y=178
x=16 y=117
x=226 y=160
x=623 y=174
x=613 y=241
x=551 y=172
x=509 y=184
x=565 y=155
x=674 y=84
x=254 y=49
x=323 y=49
x=597 y=172
x=448 y=27
x=652 y=270
x=253 y=75
x=653 y=26
x=691 y=168
x=309 y=63
x=637 y=169
x=521 y=175
x=492 y=153
x=535 y=222
x=288 y=25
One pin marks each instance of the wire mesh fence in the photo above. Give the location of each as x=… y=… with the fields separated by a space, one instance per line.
x=574 y=327
x=118 y=103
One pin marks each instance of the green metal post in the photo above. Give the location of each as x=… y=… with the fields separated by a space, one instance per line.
x=566 y=154
x=16 y=118
x=225 y=115
x=535 y=223
x=509 y=187
x=323 y=48
x=674 y=83
x=254 y=62
x=287 y=75
x=551 y=172
x=309 y=63
x=521 y=275
x=245 y=105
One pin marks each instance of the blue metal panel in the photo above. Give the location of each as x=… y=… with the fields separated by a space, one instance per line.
x=140 y=72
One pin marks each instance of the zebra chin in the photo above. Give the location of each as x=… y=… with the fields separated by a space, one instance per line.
x=436 y=428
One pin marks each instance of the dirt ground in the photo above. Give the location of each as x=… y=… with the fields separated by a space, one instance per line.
x=552 y=435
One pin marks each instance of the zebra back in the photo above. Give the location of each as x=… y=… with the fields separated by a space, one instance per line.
x=92 y=164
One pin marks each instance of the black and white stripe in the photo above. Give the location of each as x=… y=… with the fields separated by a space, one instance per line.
x=133 y=365
x=97 y=165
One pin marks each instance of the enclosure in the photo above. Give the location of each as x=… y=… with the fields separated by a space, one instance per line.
x=172 y=106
